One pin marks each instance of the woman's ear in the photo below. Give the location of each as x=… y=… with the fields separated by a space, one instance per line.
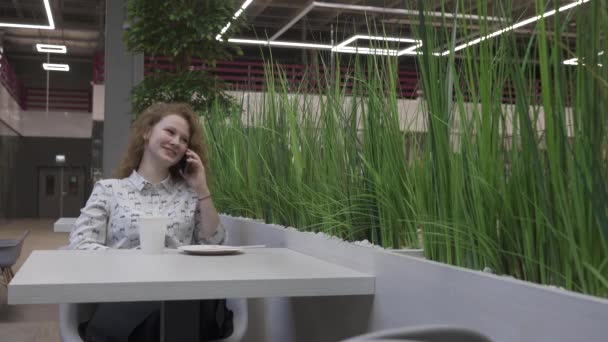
x=147 y=135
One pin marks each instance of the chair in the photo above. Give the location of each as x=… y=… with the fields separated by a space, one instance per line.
x=71 y=315
x=423 y=334
x=240 y=319
x=10 y=249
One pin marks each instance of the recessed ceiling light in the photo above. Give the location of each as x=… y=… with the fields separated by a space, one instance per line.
x=49 y=14
x=51 y=48
x=55 y=67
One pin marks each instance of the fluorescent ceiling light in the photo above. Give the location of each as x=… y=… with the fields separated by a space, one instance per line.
x=51 y=48
x=246 y=4
x=296 y=44
x=574 y=61
x=411 y=50
x=225 y=28
x=279 y=43
x=515 y=26
x=49 y=14
x=338 y=48
x=342 y=47
x=55 y=67
x=236 y=15
x=386 y=39
x=248 y=41
x=367 y=51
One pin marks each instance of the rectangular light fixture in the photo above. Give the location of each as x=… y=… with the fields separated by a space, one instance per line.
x=385 y=39
x=55 y=67
x=49 y=14
x=51 y=48
x=513 y=27
x=342 y=47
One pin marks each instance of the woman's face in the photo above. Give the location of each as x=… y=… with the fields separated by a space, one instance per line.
x=168 y=140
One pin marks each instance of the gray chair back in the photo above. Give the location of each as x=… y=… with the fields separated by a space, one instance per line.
x=423 y=334
x=10 y=249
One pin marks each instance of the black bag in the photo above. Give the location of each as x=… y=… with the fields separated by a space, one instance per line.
x=216 y=319
x=111 y=322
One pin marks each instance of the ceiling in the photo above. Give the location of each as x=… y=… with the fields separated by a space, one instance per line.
x=80 y=23
x=271 y=18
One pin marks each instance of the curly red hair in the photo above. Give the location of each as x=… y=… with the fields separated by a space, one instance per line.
x=143 y=124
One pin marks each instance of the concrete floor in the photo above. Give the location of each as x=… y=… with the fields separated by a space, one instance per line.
x=30 y=323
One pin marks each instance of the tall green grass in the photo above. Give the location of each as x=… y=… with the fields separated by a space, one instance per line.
x=517 y=187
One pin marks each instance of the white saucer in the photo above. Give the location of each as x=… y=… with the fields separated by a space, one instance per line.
x=210 y=249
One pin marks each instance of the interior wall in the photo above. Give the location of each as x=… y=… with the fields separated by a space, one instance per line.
x=9 y=109
x=412 y=116
x=32 y=75
x=60 y=124
x=10 y=142
x=36 y=152
x=412 y=291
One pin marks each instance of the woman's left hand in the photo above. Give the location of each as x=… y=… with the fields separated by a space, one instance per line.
x=195 y=174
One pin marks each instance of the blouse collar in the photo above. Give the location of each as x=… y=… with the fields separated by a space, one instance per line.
x=139 y=182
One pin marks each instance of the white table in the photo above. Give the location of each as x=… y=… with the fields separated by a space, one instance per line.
x=68 y=276
x=64 y=224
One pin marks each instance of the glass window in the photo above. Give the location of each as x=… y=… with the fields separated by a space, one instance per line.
x=50 y=185
x=73 y=185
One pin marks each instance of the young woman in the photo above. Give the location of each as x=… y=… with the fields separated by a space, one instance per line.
x=163 y=173
x=150 y=182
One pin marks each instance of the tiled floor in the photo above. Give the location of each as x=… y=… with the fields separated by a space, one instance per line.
x=29 y=323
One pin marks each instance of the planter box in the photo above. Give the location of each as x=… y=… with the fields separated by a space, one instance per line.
x=414 y=252
x=412 y=291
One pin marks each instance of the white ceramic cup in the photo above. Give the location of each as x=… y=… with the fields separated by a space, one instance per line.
x=152 y=230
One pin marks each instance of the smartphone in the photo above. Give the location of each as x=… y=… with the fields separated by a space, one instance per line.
x=183 y=164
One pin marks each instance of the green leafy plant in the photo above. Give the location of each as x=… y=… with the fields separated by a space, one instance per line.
x=181 y=30
x=194 y=87
x=507 y=180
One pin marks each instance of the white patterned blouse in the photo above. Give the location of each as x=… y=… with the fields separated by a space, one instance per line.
x=110 y=217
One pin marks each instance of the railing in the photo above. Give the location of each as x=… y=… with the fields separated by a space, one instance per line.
x=509 y=93
x=59 y=99
x=244 y=75
x=35 y=98
x=10 y=81
x=240 y=75
x=98 y=67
